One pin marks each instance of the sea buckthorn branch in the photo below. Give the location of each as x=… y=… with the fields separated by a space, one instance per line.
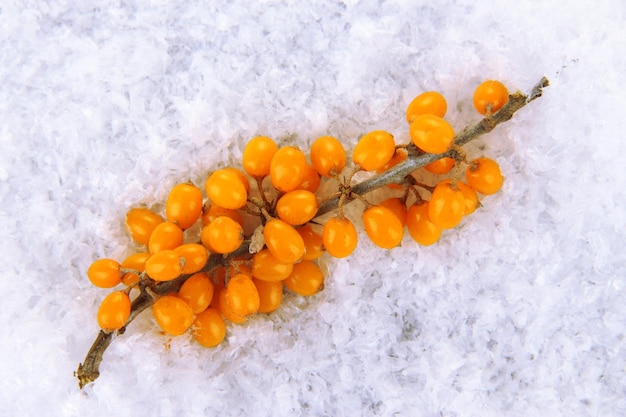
x=329 y=160
x=416 y=160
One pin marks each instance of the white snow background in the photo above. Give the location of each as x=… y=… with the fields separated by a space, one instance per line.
x=520 y=311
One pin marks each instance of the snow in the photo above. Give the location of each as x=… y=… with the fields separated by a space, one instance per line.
x=518 y=311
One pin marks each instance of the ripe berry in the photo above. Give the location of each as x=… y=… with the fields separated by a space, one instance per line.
x=104 y=273
x=314 y=247
x=257 y=156
x=184 y=205
x=418 y=223
x=397 y=207
x=172 y=314
x=226 y=189
x=471 y=198
x=431 y=133
x=226 y=309
x=328 y=156
x=195 y=256
x=311 y=180
x=490 y=96
x=340 y=237
x=137 y=262
x=430 y=102
x=209 y=328
x=141 y=222
x=165 y=265
x=165 y=236
x=374 y=150
x=214 y=211
x=270 y=294
x=305 y=279
x=382 y=226
x=440 y=166
x=267 y=268
x=222 y=235
x=297 y=207
x=283 y=241
x=197 y=291
x=114 y=311
x=242 y=296
x=447 y=205
x=484 y=175
x=287 y=169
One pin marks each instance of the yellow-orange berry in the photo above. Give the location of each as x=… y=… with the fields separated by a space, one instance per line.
x=440 y=166
x=222 y=235
x=267 y=268
x=165 y=236
x=104 y=273
x=172 y=314
x=430 y=102
x=226 y=189
x=431 y=133
x=447 y=205
x=374 y=150
x=114 y=311
x=197 y=291
x=305 y=279
x=195 y=256
x=328 y=156
x=242 y=296
x=418 y=223
x=288 y=168
x=283 y=241
x=339 y=237
x=297 y=207
x=270 y=294
x=209 y=328
x=165 y=265
x=383 y=227
x=490 y=96
x=141 y=222
x=257 y=156
x=484 y=175
x=314 y=247
x=184 y=205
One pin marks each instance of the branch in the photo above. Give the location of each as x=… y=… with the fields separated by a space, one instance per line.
x=88 y=371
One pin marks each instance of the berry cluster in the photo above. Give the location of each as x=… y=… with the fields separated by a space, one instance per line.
x=229 y=253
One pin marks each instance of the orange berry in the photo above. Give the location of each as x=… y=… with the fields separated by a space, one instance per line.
x=165 y=236
x=314 y=247
x=197 y=291
x=267 y=268
x=104 y=273
x=226 y=189
x=172 y=314
x=440 y=166
x=490 y=96
x=418 y=223
x=114 y=311
x=339 y=237
x=297 y=207
x=226 y=310
x=328 y=156
x=484 y=175
x=136 y=261
x=184 y=205
x=397 y=207
x=283 y=241
x=257 y=156
x=288 y=168
x=311 y=180
x=242 y=177
x=305 y=279
x=374 y=150
x=430 y=102
x=383 y=227
x=141 y=222
x=471 y=198
x=214 y=211
x=447 y=205
x=195 y=256
x=242 y=296
x=222 y=235
x=165 y=265
x=209 y=328
x=270 y=294
x=431 y=133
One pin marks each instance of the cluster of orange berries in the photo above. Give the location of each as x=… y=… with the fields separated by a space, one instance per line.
x=285 y=241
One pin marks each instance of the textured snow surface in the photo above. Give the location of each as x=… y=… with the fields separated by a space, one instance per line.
x=520 y=311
